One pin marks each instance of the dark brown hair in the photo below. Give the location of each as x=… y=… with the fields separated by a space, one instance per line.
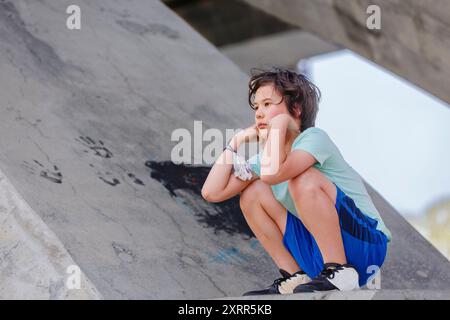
x=296 y=89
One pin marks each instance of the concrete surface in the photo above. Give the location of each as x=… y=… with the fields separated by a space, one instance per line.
x=224 y=22
x=280 y=49
x=357 y=295
x=413 y=42
x=33 y=262
x=84 y=110
x=247 y=35
x=85 y=144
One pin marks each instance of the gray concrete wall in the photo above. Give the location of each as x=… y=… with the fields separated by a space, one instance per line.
x=413 y=42
x=33 y=262
x=284 y=49
x=83 y=111
x=224 y=22
x=85 y=137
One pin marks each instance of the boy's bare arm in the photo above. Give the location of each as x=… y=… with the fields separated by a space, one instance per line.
x=274 y=154
x=219 y=175
x=296 y=163
x=279 y=166
x=221 y=184
x=233 y=187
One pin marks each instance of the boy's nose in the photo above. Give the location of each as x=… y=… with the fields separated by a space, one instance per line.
x=259 y=114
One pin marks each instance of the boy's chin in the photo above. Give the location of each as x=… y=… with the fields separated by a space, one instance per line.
x=263 y=134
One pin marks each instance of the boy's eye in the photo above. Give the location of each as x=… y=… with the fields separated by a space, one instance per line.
x=266 y=104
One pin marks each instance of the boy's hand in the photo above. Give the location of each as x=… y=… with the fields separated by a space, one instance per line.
x=283 y=121
x=249 y=134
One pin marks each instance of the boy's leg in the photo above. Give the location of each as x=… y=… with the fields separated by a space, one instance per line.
x=314 y=198
x=267 y=219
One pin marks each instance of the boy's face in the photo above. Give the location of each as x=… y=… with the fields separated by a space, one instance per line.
x=267 y=105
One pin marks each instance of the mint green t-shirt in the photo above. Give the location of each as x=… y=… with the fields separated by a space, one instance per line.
x=330 y=162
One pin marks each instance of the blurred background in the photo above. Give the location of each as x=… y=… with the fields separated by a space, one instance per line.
x=388 y=113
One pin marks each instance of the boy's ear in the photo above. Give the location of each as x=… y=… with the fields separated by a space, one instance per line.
x=298 y=110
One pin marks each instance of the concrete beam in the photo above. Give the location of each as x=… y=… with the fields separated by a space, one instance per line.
x=281 y=49
x=224 y=22
x=414 y=40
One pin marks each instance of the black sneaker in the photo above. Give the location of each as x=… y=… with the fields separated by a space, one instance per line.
x=283 y=285
x=334 y=276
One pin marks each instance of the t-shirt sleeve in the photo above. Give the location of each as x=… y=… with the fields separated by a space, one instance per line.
x=317 y=143
x=255 y=164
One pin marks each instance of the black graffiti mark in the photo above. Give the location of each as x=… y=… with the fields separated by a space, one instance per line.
x=37 y=162
x=113 y=183
x=106 y=177
x=135 y=179
x=124 y=253
x=56 y=178
x=132 y=176
x=98 y=147
x=225 y=216
x=153 y=28
x=54 y=174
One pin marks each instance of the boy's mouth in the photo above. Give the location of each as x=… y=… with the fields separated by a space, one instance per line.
x=262 y=125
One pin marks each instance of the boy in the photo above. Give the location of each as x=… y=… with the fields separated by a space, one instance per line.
x=308 y=208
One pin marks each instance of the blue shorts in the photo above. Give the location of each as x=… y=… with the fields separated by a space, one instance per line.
x=364 y=245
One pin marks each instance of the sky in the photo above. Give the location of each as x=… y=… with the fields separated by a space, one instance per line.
x=396 y=135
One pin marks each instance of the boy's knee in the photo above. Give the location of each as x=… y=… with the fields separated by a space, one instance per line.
x=305 y=183
x=251 y=194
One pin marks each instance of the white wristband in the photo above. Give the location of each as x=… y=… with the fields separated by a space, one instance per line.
x=241 y=167
x=229 y=148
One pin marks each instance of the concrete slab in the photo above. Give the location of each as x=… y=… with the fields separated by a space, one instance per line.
x=84 y=110
x=358 y=295
x=33 y=262
x=413 y=40
x=280 y=49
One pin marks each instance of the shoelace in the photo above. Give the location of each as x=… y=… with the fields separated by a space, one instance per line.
x=329 y=272
x=279 y=280
x=291 y=279
x=287 y=278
